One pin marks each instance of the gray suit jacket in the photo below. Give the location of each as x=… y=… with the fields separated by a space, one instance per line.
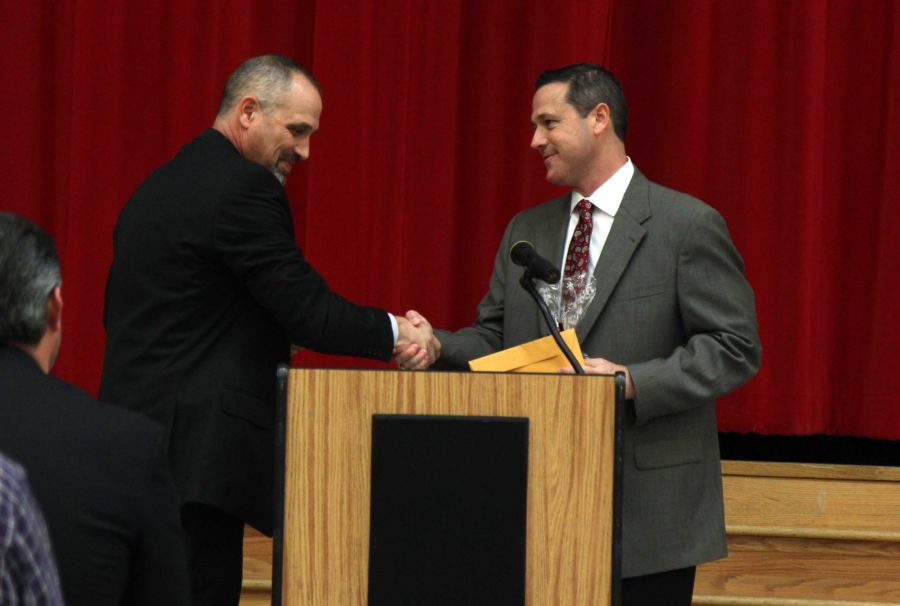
x=672 y=304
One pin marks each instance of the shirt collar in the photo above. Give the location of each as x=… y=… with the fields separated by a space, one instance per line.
x=608 y=197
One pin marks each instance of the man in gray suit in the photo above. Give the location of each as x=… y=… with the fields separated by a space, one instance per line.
x=670 y=308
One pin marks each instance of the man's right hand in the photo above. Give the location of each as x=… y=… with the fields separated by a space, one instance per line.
x=417 y=348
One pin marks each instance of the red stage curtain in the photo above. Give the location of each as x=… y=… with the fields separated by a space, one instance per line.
x=785 y=116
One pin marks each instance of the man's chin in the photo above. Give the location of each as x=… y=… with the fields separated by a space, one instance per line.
x=555 y=178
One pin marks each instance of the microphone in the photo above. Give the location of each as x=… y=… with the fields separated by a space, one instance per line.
x=523 y=254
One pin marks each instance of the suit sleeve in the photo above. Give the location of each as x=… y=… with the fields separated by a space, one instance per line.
x=486 y=335
x=254 y=236
x=722 y=349
x=159 y=573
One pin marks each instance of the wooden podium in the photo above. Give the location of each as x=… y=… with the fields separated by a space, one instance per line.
x=325 y=547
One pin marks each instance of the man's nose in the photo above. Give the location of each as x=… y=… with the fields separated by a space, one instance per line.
x=302 y=149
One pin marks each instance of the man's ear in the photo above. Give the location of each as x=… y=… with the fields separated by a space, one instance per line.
x=602 y=120
x=54 y=310
x=248 y=107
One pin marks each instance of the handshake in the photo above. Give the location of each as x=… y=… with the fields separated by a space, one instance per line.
x=417 y=348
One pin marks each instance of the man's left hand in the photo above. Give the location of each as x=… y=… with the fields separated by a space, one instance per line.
x=599 y=366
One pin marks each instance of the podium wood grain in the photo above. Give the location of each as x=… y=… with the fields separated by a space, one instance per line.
x=327 y=484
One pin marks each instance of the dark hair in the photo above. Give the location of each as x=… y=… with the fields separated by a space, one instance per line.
x=265 y=76
x=589 y=85
x=29 y=271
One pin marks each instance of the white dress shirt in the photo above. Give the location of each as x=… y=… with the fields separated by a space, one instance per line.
x=605 y=202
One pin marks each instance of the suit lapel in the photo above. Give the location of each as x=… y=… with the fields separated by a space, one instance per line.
x=549 y=242
x=624 y=237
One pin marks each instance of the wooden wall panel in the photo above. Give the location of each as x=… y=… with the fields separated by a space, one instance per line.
x=806 y=535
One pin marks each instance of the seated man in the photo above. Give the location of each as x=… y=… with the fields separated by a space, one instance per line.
x=100 y=474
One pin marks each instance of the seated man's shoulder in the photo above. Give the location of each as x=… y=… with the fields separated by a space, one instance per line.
x=100 y=422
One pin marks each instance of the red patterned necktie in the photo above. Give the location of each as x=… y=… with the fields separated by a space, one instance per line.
x=578 y=256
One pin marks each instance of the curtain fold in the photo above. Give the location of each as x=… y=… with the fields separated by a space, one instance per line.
x=781 y=115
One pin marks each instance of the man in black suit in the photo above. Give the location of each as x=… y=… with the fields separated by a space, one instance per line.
x=99 y=473
x=205 y=297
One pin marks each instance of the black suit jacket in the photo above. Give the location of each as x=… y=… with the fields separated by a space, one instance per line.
x=101 y=478
x=206 y=293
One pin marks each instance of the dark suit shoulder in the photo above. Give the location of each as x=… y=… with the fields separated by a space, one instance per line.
x=674 y=203
x=534 y=224
x=211 y=153
x=211 y=174
x=545 y=211
x=59 y=414
x=117 y=426
x=96 y=470
x=205 y=172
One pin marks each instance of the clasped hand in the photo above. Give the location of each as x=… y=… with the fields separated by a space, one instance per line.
x=417 y=348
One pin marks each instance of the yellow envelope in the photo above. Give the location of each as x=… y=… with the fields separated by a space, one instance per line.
x=540 y=355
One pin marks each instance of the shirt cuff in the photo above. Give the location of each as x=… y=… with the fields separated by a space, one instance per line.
x=394 y=327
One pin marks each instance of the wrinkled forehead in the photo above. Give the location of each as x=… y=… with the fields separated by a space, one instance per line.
x=300 y=102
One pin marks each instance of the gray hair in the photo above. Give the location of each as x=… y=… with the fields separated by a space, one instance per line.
x=29 y=271
x=267 y=77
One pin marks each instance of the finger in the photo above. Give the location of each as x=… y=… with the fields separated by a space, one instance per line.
x=415 y=317
x=420 y=362
x=404 y=356
x=422 y=338
x=598 y=365
x=417 y=362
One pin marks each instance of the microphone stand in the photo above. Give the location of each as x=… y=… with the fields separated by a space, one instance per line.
x=528 y=284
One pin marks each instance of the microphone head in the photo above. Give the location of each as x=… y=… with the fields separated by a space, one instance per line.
x=522 y=253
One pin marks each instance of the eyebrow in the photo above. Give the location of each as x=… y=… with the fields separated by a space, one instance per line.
x=544 y=116
x=300 y=126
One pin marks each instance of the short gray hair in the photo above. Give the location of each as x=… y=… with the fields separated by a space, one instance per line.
x=29 y=271
x=265 y=77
